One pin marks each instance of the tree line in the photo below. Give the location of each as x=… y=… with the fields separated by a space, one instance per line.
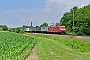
x=3 y=27
x=81 y=17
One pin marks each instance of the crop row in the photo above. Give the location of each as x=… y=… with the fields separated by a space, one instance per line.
x=15 y=46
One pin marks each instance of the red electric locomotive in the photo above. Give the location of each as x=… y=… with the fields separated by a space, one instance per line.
x=57 y=29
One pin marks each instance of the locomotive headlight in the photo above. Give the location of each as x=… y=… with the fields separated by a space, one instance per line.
x=62 y=29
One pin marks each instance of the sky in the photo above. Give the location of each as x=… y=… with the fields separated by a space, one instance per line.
x=16 y=13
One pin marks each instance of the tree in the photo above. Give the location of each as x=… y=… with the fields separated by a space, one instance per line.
x=25 y=26
x=18 y=30
x=44 y=24
x=57 y=24
x=81 y=20
x=4 y=27
x=36 y=26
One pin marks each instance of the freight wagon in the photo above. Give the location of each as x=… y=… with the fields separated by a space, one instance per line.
x=47 y=29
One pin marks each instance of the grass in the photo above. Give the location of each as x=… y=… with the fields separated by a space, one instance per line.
x=62 y=48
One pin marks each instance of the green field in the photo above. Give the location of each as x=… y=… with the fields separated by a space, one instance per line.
x=15 y=46
x=62 y=48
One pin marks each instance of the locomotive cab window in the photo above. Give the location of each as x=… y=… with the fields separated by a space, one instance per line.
x=63 y=27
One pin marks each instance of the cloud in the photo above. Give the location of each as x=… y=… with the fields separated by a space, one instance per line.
x=63 y=4
x=52 y=12
x=59 y=7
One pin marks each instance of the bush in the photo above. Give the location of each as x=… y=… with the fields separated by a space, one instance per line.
x=19 y=30
x=4 y=27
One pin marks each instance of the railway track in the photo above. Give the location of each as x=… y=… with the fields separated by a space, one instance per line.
x=72 y=36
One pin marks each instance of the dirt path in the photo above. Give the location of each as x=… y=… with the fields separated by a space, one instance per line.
x=33 y=55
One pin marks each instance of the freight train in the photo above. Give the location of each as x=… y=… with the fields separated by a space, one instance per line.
x=47 y=29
